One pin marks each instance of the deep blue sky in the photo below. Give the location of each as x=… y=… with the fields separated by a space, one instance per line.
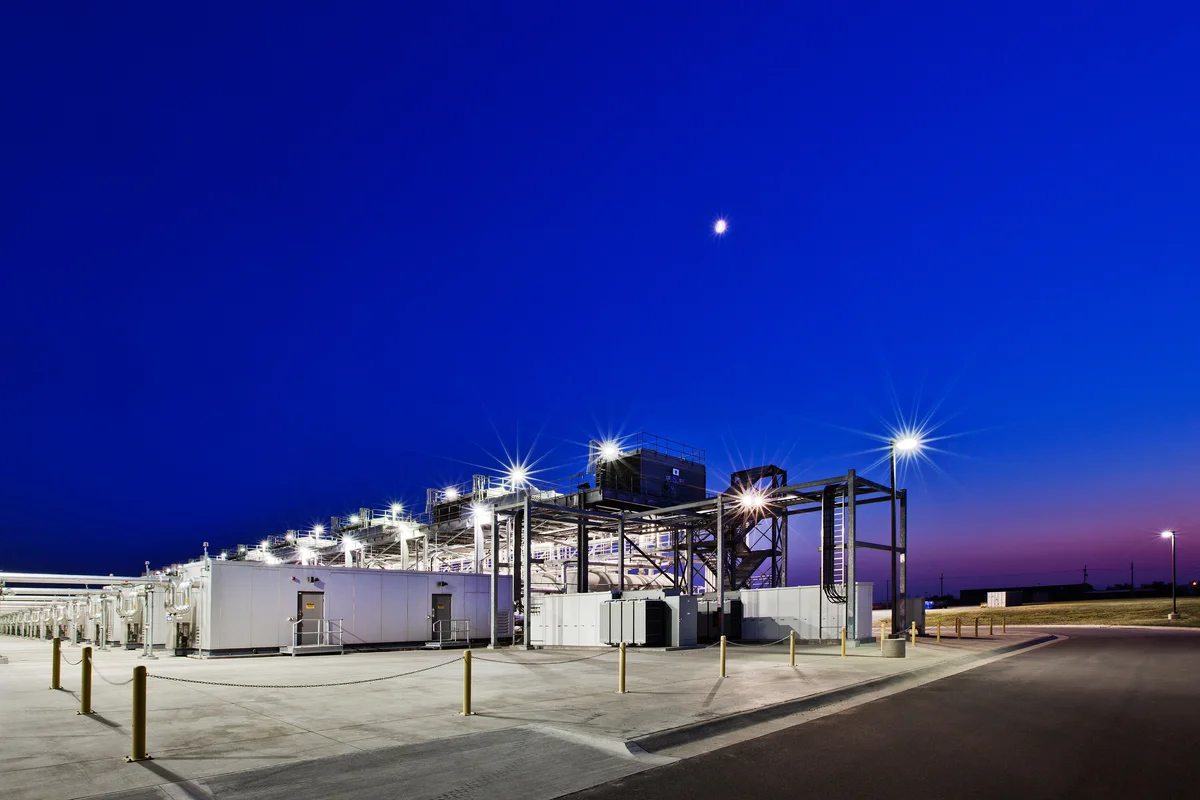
x=265 y=265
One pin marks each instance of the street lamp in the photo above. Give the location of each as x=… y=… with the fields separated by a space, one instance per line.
x=1174 y=606
x=907 y=446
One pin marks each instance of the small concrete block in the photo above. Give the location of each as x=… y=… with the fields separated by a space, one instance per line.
x=893 y=648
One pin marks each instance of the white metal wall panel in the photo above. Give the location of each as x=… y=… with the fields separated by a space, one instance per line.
x=769 y=614
x=393 y=600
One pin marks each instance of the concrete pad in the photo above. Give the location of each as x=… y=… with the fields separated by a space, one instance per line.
x=238 y=715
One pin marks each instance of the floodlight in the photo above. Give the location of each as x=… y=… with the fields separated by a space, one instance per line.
x=355 y=519
x=451 y=493
x=318 y=530
x=751 y=500
x=265 y=544
x=720 y=227
x=609 y=451
x=396 y=508
x=1168 y=534
x=907 y=444
x=517 y=475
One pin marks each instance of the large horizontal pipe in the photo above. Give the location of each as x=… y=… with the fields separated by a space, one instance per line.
x=8 y=591
x=47 y=577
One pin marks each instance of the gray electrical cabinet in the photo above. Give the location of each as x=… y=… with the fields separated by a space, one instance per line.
x=640 y=622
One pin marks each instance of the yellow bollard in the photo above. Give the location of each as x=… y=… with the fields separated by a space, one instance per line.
x=991 y=626
x=1004 y=624
x=55 y=650
x=914 y=633
x=722 y=656
x=138 y=750
x=467 y=684
x=882 y=635
x=843 y=641
x=792 y=647
x=621 y=671
x=939 y=632
x=85 y=682
x=977 y=627
x=958 y=627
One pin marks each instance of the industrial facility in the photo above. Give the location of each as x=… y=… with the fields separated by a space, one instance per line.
x=633 y=548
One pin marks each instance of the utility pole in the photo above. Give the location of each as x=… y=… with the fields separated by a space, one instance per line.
x=1131 y=579
x=942 y=585
x=1085 y=573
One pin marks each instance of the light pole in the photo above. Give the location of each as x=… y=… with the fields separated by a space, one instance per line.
x=1174 y=606
x=907 y=445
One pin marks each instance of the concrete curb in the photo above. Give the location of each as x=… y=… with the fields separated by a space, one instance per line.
x=673 y=737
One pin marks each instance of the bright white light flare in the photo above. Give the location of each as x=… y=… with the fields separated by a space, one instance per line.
x=451 y=493
x=908 y=444
x=609 y=451
x=720 y=226
x=517 y=475
x=1168 y=534
x=752 y=500
x=318 y=530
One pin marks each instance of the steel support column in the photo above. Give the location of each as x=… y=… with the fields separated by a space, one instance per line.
x=902 y=605
x=527 y=600
x=892 y=558
x=720 y=576
x=689 y=566
x=494 y=580
x=581 y=557
x=851 y=558
x=621 y=553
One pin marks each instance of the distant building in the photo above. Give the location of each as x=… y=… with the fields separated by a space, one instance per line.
x=1029 y=594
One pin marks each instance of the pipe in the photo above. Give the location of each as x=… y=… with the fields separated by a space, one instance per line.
x=172 y=595
x=125 y=611
x=19 y=591
x=99 y=580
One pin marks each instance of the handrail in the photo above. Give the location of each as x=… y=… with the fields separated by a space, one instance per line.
x=327 y=633
x=459 y=630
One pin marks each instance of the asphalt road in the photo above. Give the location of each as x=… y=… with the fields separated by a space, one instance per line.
x=1106 y=713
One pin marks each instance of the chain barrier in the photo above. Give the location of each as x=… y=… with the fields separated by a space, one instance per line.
x=542 y=663
x=689 y=652
x=301 y=685
x=63 y=656
x=759 y=644
x=106 y=680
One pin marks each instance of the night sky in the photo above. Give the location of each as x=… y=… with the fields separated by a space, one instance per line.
x=266 y=265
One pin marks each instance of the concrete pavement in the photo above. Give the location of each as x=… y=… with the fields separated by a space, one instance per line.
x=582 y=728
x=1104 y=713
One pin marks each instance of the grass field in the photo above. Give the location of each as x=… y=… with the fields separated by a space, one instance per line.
x=1089 y=612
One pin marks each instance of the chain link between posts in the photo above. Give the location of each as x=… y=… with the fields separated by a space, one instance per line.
x=541 y=663
x=302 y=685
x=759 y=644
x=63 y=656
x=106 y=680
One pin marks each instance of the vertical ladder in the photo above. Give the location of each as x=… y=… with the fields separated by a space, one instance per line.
x=839 y=539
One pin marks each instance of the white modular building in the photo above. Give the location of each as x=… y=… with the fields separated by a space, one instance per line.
x=218 y=607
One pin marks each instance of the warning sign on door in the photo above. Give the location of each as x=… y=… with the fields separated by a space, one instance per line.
x=310 y=605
